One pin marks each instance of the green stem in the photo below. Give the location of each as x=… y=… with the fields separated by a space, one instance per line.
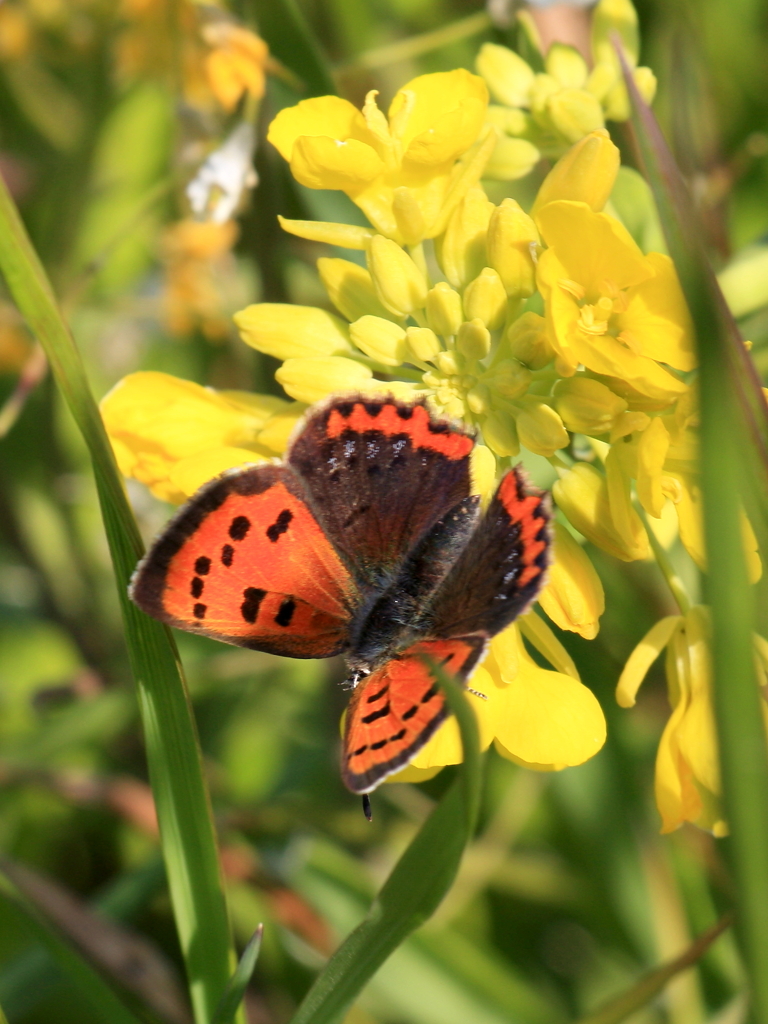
x=416 y=46
x=664 y=563
x=173 y=752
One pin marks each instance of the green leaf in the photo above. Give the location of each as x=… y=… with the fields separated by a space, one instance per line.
x=238 y=983
x=78 y=971
x=173 y=753
x=416 y=886
x=734 y=457
x=652 y=983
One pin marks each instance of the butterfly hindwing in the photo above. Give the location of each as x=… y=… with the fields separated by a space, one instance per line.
x=396 y=709
x=380 y=473
x=503 y=566
x=246 y=562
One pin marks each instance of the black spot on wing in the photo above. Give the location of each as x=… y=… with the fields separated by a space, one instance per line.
x=409 y=713
x=280 y=525
x=227 y=553
x=203 y=566
x=379 y=713
x=239 y=527
x=377 y=696
x=431 y=692
x=199 y=611
x=249 y=609
x=285 y=612
x=373 y=408
x=197 y=587
x=405 y=412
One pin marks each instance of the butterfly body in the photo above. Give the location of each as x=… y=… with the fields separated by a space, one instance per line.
x=365 y=542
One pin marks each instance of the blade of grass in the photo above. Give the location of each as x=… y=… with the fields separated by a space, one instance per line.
x=652 y=983
x=238 y=983
x=733 y=418
x=416 y=886
x=78 y=971
x=173 y=752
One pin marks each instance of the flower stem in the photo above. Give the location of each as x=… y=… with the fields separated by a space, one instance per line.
x=664 y=563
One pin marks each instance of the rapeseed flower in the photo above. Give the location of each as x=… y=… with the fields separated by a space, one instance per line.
x=406 y=171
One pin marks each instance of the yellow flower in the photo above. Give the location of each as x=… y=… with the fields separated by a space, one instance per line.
x=601 y=512
x=573 y=597
x=173 y=435
x=609 y=307
x=236 y=62
x=535 y=717
x=402 y=171
x=687 y=766
x=197 y=263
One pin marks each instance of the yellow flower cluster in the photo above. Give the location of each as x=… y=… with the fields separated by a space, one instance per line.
x=542 y=114
x=549 y=331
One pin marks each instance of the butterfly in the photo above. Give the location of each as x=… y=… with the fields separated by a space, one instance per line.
x=366 y=541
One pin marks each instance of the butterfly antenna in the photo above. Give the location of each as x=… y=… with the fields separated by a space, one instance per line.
x=367 y=807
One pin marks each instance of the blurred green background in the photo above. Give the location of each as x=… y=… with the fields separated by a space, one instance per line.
x=569 y=892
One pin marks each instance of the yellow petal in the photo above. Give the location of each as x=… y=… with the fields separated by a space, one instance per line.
x=347 y=236
x=566 y=64
x=651 y=452
x=423 y=101
x=505 y=654
x=309 y=380
x=548 y=719
x=582 y=494
x=540 y=428
x=399 y=283
x=450 y=134
x=278 y=429
x=322 y=162
x=380 y=339
x=289 y=332
x=482 y=465
x=411 y=774
x=537 y=632
x=575 y=113
x=511 y=241
x=643 y=656
x=321 y=115
x=461 y=252
x=587 y=406
x=445 y=746
x=573 y=596
x=188 y=475
x=657 y=316
x=697 y=739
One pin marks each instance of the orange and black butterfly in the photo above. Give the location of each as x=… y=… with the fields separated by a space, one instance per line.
x=366 y=542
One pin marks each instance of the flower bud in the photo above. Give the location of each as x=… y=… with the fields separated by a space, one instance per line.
x=288 y=332
x=486 y=300
x=587 y=406
x=627 y=423
x=542 y=88
x=539 y=428
x=511 y=236
x=602 y=79
x=410 y=220
x=609 y=16
x=350 y=288
x=479 y=399
x=511 y=159
x=573 y=597
x=380 y=339
x=461 y=250
x=474 y=339
x=449 y=363
x=586 y=173
x=399 y=283
x=508 y=378
x=309 y=380
x=507 y=75
x=566 y=64
x=575 y=113
x=500 y=434
x=527 y=340
x=422 y=343
x=444 y=313
x=646 y=83
x=582 y=494
x=509 y=122
x=482 y=471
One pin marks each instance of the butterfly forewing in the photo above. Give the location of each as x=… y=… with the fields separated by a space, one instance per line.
x=379 y=474
x=396 y=709
x=246 y=562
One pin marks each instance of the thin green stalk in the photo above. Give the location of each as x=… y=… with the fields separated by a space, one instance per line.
x=733 y=438
x=416 y=46
x=173 y=753
x=675 y=584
